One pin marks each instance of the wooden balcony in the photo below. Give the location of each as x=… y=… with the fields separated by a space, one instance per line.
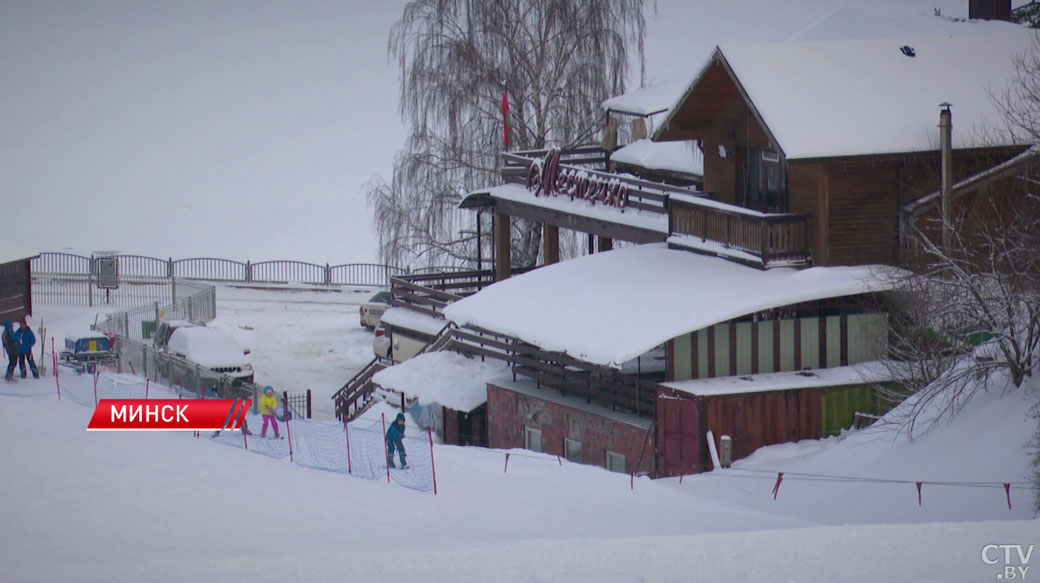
x=762 y=240
x=695 y=222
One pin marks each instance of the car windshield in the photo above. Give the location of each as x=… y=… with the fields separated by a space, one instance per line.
x=381 y=297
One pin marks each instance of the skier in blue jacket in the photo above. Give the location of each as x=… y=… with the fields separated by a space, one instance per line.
x=395 y=441
x=28 y=340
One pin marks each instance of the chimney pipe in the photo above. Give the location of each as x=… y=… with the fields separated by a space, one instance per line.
x=946 y=150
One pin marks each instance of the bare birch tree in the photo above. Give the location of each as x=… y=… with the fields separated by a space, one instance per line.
x=557 y=59
x=1019 y=101
x=972 y=309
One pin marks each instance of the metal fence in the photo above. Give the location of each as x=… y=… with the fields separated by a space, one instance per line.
x=73 y=280
x=186 y=377
x=67 y=279
x=190 y=378
x=198 y=303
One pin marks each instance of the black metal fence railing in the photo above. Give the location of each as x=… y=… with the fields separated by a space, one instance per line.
x=298 y=404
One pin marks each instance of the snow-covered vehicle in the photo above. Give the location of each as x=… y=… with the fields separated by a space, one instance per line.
x=372 y=310
x=212 y=348
x=381 y=342
x=162 y=334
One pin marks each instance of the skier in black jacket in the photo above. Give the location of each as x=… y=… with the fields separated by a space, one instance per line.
x=12 y=340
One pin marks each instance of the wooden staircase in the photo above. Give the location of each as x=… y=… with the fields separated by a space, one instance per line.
x=355 y=396
x=358 y=394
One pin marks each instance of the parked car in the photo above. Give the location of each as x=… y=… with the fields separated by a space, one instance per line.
x=381 y=342
x=397 y=347
x=372 y=310
x=166 y=328
x=214 y=349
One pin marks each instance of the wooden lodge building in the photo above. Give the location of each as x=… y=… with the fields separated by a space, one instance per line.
x=15 y=281
x=753 y=307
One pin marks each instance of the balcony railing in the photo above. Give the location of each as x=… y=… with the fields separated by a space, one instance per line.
x=695 y=221
x=759 y=239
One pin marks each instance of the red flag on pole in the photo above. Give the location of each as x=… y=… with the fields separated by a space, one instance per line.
x=505 y=115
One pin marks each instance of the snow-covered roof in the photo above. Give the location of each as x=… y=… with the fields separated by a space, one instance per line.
x=675 y=156
x=859 y=97
x=611 y=307
x=11 y=251
x=631 y=217
x=862 y=373
x=446 y=378
x=412 y=320
x=648 y=100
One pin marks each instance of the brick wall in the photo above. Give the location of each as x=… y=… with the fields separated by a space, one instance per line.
x=510 y=411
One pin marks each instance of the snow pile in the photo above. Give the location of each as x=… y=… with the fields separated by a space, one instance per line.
x=11 y=251
x=861 y=373
x=413 y=320
x=675 y=156
x=871 y=475
x=657 y=222
x=446 y=378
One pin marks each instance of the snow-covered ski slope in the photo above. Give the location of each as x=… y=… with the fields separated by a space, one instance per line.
x=135 y=506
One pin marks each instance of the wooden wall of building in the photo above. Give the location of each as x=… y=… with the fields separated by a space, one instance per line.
x=855 y=202
x=15 y=290
x=681 y=448
x=735 y=128
x=864 y=212
x=805 y=184
x=465 y=428
x=753 y=420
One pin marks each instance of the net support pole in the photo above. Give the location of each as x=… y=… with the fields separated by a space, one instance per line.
x=288 y=427
x=346 y=431
x=54 y=357
x=386 y=452
x=433 y=467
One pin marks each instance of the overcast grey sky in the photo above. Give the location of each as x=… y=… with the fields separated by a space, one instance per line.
x=246 y=129
x=241 y=129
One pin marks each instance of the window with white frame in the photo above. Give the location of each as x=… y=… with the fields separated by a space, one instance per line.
x=572 y=450
x=616 y=462
x=532 y=439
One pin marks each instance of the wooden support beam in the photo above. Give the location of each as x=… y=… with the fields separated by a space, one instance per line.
x=503 y=250
x=551 y=245
x=823 y=218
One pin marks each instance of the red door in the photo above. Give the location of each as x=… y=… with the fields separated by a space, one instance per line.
x=678 y=434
